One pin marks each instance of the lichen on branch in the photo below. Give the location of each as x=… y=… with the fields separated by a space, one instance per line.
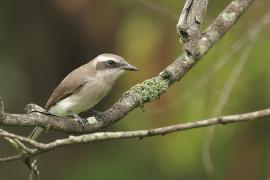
x=150 y=89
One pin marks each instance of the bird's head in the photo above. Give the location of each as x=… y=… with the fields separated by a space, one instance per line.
x=111 y=66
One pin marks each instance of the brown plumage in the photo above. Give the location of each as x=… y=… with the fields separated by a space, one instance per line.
x=71 y=84
x=84 y=87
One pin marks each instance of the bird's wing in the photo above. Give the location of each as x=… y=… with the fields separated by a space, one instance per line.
x=70 y=85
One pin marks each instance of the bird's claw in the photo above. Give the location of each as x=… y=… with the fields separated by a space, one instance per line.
x=80 y=120
x=99 y=115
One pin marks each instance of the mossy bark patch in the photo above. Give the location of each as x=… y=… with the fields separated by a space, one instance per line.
x=150 y=89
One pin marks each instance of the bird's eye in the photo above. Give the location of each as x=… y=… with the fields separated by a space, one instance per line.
x=111 y=62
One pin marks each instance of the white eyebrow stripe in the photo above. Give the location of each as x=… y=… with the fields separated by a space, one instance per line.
x=105 y=57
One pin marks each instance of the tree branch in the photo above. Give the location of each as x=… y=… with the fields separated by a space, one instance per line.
x=249 y=36
x=101 y=136
x=10 y=158
x=148 y=90
x=189 y=25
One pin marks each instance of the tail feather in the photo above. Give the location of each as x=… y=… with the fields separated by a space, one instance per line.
x=36 y=133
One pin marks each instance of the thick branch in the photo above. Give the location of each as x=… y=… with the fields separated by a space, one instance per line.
x=100 y=136
x=145 y=92
x=189 y=25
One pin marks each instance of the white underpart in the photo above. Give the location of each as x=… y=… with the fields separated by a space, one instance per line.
x=89 y=95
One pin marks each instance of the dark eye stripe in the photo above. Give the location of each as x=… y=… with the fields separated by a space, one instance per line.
x=111 y=62
x=108 y=65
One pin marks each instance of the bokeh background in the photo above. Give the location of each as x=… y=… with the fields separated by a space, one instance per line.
x=42 y=41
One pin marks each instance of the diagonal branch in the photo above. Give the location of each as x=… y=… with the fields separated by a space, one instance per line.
x=250 y=35
x=148 y=90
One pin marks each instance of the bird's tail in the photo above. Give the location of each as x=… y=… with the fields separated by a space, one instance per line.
x=36 y=133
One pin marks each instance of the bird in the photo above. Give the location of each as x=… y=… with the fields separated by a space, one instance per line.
x=84 y=87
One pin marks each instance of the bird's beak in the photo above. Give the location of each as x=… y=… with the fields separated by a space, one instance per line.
x=129 y=67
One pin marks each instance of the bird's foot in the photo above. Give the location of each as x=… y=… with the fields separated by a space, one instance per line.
x=99 y=115
x=80 y=120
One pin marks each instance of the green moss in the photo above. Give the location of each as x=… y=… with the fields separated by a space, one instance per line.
x=150 y=89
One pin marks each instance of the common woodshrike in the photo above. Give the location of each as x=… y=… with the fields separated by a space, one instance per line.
x=84 y=87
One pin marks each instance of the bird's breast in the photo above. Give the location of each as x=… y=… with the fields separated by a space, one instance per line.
x=87 y=97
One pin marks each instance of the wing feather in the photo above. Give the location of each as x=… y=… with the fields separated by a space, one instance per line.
x=70 y=85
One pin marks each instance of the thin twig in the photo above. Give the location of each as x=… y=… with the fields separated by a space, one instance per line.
x=12 y=136
x=10 y=158
x=33 y=170
x=101 y=136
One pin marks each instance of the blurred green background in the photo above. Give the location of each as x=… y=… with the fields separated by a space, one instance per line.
x=42 y=41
